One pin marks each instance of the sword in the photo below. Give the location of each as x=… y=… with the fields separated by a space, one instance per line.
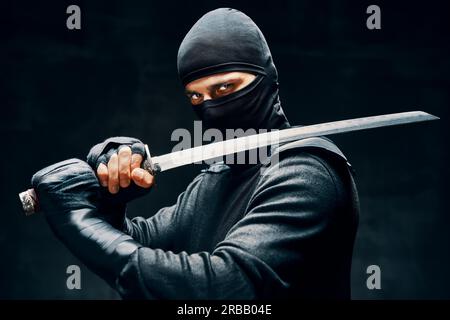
x=222 y=148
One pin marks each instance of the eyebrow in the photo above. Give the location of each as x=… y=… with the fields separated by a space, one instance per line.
x=214 y=85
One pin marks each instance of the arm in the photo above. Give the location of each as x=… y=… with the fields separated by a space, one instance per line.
x=288 y=216
x=156 y=231
x=161 y=229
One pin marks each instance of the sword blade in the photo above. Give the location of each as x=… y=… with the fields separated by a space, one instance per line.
x=217 y=149
x=223 y=148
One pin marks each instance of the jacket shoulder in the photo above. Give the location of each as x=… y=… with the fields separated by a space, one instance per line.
x=313 y=144
x=311 y=150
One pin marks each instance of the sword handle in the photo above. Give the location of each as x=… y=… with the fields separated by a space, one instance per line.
x=30 y=201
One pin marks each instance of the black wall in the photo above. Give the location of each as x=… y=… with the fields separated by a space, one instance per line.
x=62 y=91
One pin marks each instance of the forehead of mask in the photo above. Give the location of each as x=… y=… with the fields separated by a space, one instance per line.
x=224 y=40
x=217 y=85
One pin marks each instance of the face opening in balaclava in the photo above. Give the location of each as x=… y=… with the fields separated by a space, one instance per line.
x=225 y=40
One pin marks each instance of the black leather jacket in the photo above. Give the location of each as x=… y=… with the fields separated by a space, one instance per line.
x=233 y=234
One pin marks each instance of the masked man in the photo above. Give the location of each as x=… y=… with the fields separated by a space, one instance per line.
x=234 y=233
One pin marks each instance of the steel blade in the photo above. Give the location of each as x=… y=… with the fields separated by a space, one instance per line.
x=222 y=148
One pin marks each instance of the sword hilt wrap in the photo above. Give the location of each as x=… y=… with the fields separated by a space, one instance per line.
x=148 y=164
x=30 y=201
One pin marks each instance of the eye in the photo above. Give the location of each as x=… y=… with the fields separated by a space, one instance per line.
x=224 y=88
x=195 y=98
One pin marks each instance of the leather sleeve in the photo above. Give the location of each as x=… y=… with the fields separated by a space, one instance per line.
x=160 y=230
x=68 y=194
x=156 y=231
x=286 y=224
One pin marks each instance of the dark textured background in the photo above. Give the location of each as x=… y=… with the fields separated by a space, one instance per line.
x=62 y=91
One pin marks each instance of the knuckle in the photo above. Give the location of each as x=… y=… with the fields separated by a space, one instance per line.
x=101 y=170
x=135 y=162
x=113 y=175
x=125 y=151
x=113 y=181
x=112 y=160
x=102 y=174
x=123 y=174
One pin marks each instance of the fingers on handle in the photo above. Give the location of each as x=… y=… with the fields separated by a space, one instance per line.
x=136 y=160
x=113 y=174
x=102 y=174
x=142 y=178
x=124 y=166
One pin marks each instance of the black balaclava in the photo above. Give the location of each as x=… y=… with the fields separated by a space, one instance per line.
x=227 y=40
